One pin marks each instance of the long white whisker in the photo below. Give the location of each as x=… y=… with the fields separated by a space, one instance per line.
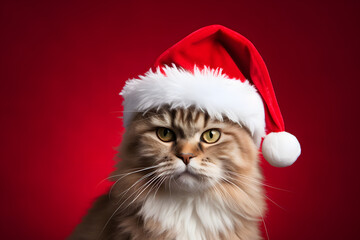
x=159 y=185
x=140 y=179
x=135 y=171
x=116 y=210
x=170 y=184
x=148 y=184
x=255 y=180
x=247 y=184
x=152 y=186
x=140 y=188
x=127 y=174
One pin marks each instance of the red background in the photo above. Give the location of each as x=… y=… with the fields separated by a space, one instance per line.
x=63 y=64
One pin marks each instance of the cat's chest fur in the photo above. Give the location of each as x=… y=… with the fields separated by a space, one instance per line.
x=189 y=217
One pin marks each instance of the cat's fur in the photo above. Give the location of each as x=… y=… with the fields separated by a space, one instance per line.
x=153 y=199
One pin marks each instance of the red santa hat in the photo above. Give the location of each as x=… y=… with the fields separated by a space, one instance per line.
x=220 y=72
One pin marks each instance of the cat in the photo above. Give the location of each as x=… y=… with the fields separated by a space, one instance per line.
x=182 y=175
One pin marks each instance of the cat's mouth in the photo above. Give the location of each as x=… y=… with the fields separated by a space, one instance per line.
x=188 y=180
x=187 y=173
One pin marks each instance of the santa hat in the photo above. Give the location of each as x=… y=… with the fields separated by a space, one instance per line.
x=220 y=72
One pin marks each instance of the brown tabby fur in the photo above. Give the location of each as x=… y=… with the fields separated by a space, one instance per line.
x=118 y=215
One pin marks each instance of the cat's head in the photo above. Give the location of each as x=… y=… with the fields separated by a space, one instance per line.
x=186 y=150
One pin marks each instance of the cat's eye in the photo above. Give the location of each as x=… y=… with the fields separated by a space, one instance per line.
x=211 y=136
x=165 y=134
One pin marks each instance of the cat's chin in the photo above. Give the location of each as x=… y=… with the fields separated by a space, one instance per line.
x=188 y=182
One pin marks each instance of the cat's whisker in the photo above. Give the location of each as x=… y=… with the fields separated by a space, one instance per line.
x=169 y=182
x=162 y=179
x=118 y=208
x=218 y=191
x=143 y=189
x=154 y=179
x=256 y=181
x=226 y=195
x=127 y=174
x=275 y=203
x=156 y=183
x=249 y=185
x=242 y=182
x=147 y=183
x=140 y=179
x=251 y=202
x=133 y=170
x=152 y=186
x=177 y=185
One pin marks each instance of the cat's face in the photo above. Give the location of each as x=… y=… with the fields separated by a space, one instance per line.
x=185 y=150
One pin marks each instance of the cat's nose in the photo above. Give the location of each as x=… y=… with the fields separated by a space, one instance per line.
x=185 y=157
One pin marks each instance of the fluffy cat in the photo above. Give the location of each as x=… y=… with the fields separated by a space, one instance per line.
x=182 y=176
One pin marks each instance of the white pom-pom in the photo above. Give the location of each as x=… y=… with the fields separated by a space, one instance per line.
x=281 y=149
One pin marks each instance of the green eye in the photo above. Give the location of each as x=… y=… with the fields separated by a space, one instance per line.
x=211 y=136
x=165 y=134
